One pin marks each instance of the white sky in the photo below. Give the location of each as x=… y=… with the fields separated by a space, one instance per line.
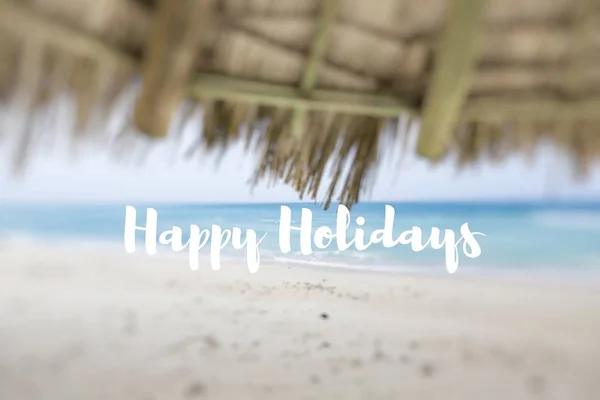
x=94 y=177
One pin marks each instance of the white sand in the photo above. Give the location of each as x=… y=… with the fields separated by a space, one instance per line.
x=86 y=325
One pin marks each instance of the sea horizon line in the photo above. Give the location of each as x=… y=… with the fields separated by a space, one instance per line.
x=158 y=203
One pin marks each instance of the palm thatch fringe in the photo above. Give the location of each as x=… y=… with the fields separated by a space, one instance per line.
x=535 y=81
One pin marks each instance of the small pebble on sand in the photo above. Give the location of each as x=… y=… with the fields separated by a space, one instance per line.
x=427 y=370
x=195 y=389
x=536 y=384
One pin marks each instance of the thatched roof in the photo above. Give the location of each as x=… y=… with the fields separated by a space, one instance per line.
x=317 y=82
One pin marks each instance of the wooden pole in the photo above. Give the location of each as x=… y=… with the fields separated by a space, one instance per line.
x=171 y=51
x=317 y=54
x=454 y=67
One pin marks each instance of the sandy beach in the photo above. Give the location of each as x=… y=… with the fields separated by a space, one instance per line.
x=90 y=324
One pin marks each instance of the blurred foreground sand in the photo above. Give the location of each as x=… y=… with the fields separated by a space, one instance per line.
x=87 y=324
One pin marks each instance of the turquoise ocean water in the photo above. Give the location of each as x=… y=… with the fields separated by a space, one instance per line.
x=536 y=238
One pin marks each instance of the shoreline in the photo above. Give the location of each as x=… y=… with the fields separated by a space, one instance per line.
x=537 y=275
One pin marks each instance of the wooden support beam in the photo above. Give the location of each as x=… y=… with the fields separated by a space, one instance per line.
x=317 y=54
x=208 y=86
x=454 y=67
x=171 y=51
x=319 y=46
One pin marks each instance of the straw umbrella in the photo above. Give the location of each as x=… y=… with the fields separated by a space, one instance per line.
x=317 y=85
